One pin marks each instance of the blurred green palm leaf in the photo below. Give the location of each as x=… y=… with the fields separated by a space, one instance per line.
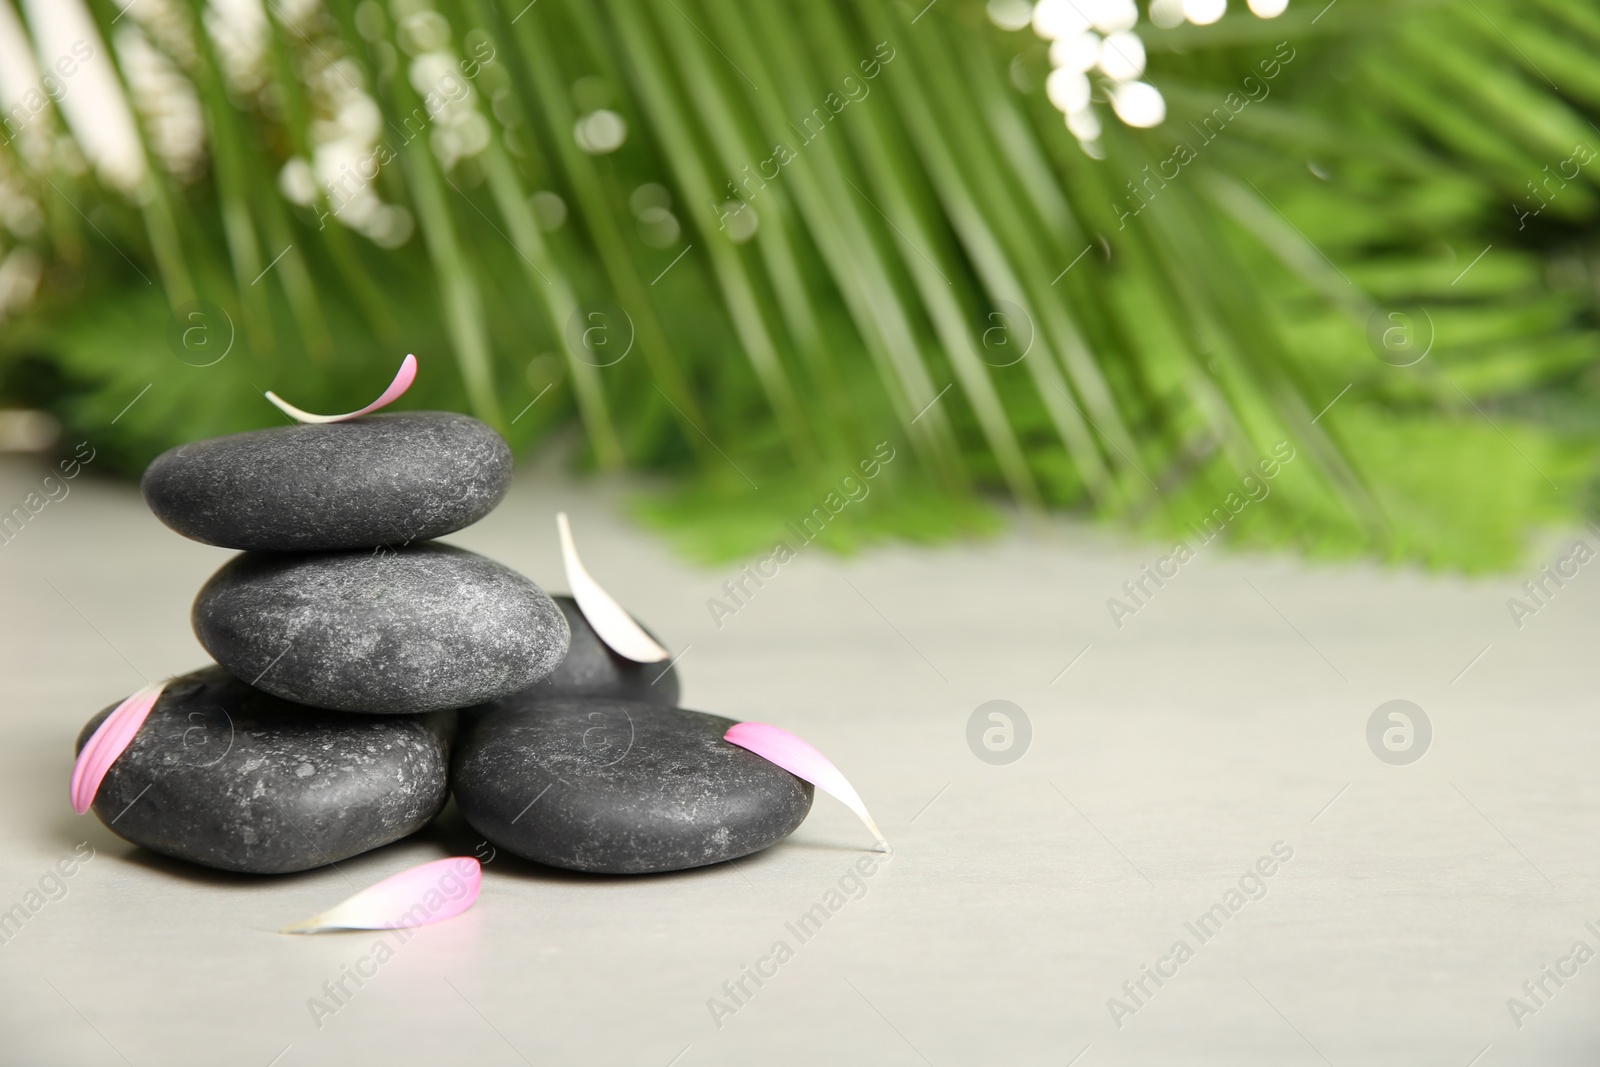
x=740 y=244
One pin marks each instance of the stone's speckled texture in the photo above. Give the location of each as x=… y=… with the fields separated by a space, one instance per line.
x=230 y=777
x=378 y=480
x=620 y=788
x=591 y=671
x=398 y=631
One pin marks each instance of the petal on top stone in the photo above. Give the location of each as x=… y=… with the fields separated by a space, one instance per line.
x=402 y=381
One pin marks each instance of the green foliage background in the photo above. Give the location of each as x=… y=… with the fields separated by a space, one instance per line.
x=1400 y=141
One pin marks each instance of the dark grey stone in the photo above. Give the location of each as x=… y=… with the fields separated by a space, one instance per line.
x=592 y=671
x=230 y=777
x=395 y=631
x=382 y=479
x=620 y=788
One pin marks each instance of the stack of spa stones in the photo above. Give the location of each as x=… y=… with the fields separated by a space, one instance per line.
x=355 y=654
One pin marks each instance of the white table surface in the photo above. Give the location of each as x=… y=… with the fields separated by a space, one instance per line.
x=1226 y=716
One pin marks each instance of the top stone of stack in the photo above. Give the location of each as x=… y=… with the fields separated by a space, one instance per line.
x=382 y=479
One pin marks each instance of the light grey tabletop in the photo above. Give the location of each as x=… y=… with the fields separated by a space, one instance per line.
x=1226 y=720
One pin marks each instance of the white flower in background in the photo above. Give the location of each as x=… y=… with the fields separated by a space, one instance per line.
x=1094 y=45
x=298 y=15
x=1010 y=14
x=600 y=132
x=1111 y=16
x=1204 y=12
x=345 y=156
x=166 y=101
x=166 y=23
x=1067 y=89
x=1084 y=125
x=297 y=182
x=156 y=52
x=239 y=30
x=347 y=140
x=1166 y=14
x=458 y=129
x=1139 y=104
x=1122 y=56
x=1079 y=52
x=1055 y=19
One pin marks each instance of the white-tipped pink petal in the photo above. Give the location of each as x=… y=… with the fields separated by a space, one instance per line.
x=402 y=381
x=615 y=626
x=776 y=745
x=426 y=894
x=108 y=741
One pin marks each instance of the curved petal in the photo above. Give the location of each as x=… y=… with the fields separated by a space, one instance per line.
x=402 y=381
x=402 y=900
x=776 y=745
x=108 y=741
x=614 y=625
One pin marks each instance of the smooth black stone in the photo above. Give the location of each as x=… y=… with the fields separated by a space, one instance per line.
x=592 y=671
x=227 y=776
x=383 y=479
x=396 y=631
x=616 y=787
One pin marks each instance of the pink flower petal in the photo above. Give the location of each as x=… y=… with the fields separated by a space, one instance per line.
x=614 y=625
x=779 y=746
x=426 y=894
x=108 y=741
x=402 y=381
